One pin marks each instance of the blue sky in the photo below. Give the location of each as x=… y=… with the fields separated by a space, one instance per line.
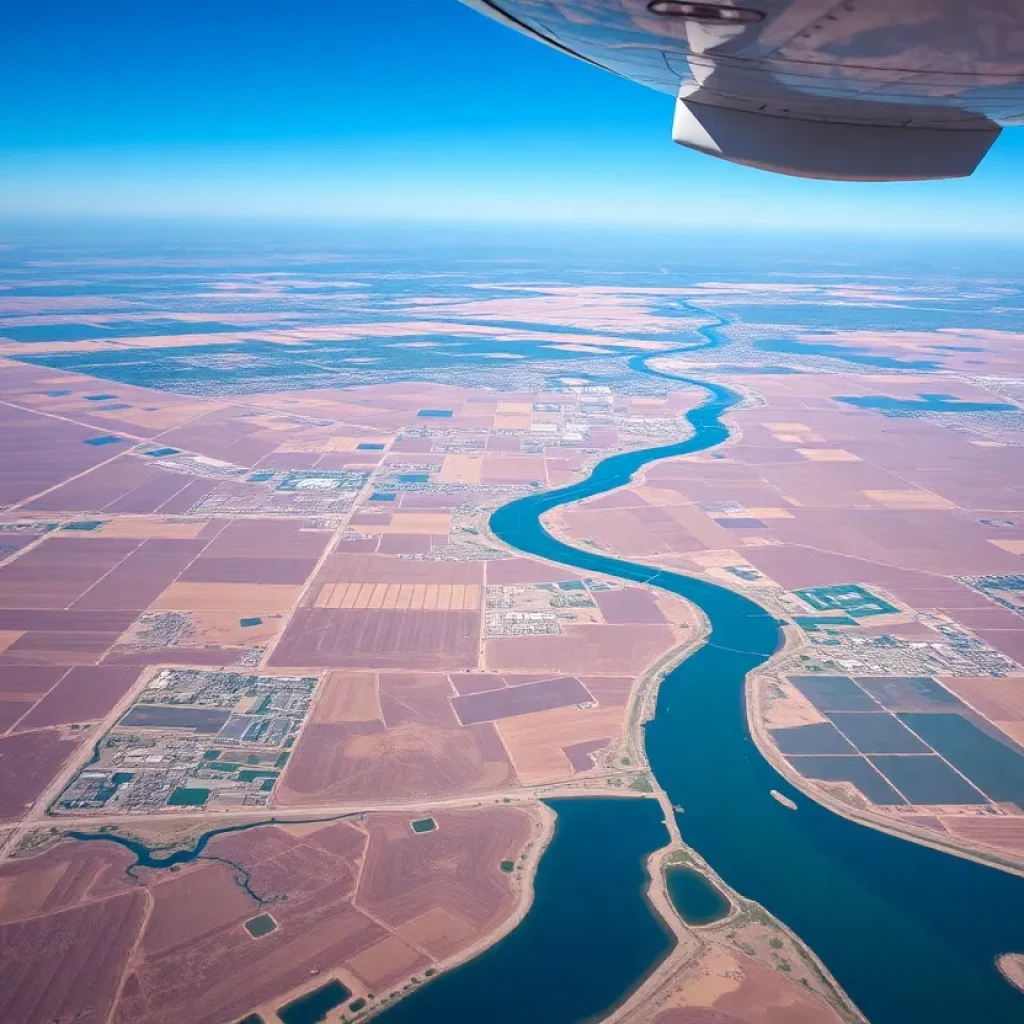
x=405 y=109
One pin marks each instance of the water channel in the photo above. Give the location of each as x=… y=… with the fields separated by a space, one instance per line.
x=911 y=933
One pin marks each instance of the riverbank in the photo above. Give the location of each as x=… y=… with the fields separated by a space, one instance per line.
x=895 y=922
x=756 y=686
x=590 y=936
x=524 y=874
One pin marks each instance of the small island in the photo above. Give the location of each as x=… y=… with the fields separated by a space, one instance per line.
x=1011 y=967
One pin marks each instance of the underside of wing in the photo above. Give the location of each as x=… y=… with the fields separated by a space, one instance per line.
x=865 y=90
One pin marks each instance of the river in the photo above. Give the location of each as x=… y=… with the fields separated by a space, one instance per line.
x=909 y=932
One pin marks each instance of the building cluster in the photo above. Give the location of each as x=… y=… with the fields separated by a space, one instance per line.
x=194 y=738
x=959 y=652
x=537 y=609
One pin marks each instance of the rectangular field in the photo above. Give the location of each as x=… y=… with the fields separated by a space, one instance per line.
x=909 y=693
x=926 y=779
x=857 y=771
x=877 y=733
x=833 y=693
x=565 y=691
x=995 y=767
x=811 y=739
x=380 y=638
x=401 y=596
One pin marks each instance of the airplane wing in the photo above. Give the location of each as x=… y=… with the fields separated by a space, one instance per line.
x=853 y=90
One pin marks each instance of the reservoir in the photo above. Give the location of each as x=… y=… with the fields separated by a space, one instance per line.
x=589 y=937
x=314 y=1006
x=698 y=900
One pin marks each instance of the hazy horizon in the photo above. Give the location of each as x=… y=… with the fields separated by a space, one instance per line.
x=408 y=113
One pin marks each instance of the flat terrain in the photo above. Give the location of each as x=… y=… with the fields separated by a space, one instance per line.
x=367 y=898
x=208 y=538
x=245 y=571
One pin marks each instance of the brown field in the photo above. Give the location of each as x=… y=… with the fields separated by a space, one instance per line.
x=999 y=700
x=609 y=691
x=722 y=986
x=386 y=962
x=523 y=699
x=416 y=749
x=40 y=452
x=536 y=743
x=454 y=868
x=461 y=469
x=413 y=523
x=201 y=657
x=67 y=964
x=267 y=538
x=1011 y=965
x=207 y=569
x=401 y=596
x=347 y=697
x=147 y=527
x=440 y=930
x=619 y=530
x=412 y=760
x=224 y=629
x=475 y=682
x=55 y=647
x=583 y=650
x=58 y=571
x=360 y=568
x=339 y=638
x=409 y=543
x=1003 y=833
x=192 y=904
x=248 y=598
x=127 y=484
x=580 y=755
x=29 y=762
x=837 y=455
x=85 y=694
x=72 y=923
x=513 y=469
x=140 y=578
x=784 y=706
x=517 y=571
x=11 y=710
x=629 y=606
x=28 y=682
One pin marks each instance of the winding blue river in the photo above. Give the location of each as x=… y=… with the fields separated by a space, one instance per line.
x=910 y=933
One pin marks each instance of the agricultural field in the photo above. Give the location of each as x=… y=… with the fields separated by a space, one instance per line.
x=260 y=916
x=323 y=533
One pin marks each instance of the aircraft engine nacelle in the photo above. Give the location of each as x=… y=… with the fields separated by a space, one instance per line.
x=854 y=90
